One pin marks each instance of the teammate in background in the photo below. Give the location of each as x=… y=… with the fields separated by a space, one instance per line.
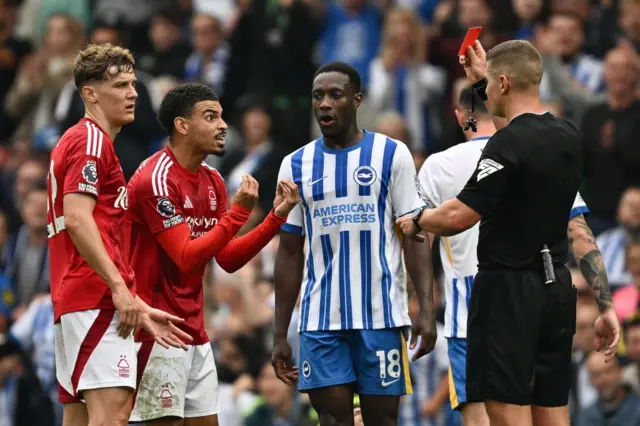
x=441 y=178
x=354 y=302
x=92 y=286
x=179 y=222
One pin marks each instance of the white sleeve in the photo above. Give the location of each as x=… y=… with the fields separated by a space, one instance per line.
x=295 y=221
x=22 y=330
x=404 y=194
x=579 y=207
x=427 y=180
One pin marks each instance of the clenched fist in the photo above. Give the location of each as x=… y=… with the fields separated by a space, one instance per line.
x=247 y=194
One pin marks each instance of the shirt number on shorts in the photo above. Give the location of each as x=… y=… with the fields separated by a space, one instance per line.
x=389 y=364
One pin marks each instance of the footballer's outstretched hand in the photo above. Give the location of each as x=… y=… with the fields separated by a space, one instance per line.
x=247 y=194
x=130 y=311
x=607 y=330
x=161 y=326
x=287 y=197
x=281 y=361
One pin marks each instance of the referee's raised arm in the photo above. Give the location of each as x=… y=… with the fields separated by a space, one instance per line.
x=522 y=307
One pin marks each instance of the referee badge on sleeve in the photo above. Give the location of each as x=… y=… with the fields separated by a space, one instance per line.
x=487 y=167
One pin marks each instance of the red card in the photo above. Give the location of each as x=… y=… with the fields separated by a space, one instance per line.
x=469 y=39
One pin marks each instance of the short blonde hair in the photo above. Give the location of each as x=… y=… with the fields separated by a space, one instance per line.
x=519 y=60
x=96 y=62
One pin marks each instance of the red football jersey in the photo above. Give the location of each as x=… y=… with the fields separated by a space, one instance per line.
x=163 y=194
x=84 y=161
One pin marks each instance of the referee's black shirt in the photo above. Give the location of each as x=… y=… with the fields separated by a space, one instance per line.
x=524 y=187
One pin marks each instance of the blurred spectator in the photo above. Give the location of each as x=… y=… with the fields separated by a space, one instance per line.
x=401 y=82
x=12 y=53
x=271 y=59
x=351 y=34
x=169 y=54
x=4 y=237
x=626 y=301
x=22 y=180
x=529 y=13
x=208 y=62
x=32 y=99
x=631 y=333
x=611 y=155
x=393 y=125
x=104 y=33
x=27 y=254
x=443 y=49
x=629 y=20
x=583 y=392
x=612 y=242
x=280 y=404
x=22 y=401
x=564 y=38
x=34 y=334
x=617 y=405
x=260 y=157
x=135 y=19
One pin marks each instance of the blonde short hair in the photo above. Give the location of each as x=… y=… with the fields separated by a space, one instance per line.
x=518 y=60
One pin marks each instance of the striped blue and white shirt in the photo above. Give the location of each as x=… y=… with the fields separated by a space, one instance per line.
x=354 y=275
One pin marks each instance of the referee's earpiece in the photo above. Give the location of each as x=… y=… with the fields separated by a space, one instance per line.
x=471 y=122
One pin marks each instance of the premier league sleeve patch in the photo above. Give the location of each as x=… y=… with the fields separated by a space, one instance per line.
x=90 y=176
x=165 y=208
x=168 y=210
x=422 y=195
x=90 y=172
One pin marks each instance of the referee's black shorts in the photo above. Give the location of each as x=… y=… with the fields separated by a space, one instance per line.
x=519 y=338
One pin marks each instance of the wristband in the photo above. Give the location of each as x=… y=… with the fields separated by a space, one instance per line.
x=480 y=87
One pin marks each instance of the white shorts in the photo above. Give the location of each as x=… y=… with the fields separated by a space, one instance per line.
x=91 y=355
x=175 y=382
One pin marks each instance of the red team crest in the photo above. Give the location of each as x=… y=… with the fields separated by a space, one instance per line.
x=123 y=367
x=166 y=398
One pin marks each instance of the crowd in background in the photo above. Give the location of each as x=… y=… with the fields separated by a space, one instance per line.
x=260 y=56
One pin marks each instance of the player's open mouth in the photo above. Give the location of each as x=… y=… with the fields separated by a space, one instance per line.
x=130 y=108
x=220 y=138
x=327 y=120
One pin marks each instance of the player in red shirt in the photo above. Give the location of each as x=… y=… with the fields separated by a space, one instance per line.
x=179 y=222
x=92 y=284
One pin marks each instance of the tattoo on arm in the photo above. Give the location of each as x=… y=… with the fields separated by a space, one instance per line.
x=589 y=259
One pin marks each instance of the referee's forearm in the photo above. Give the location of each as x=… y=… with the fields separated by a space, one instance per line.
x=589 y=259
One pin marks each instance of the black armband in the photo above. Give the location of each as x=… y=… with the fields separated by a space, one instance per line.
x=480 y=87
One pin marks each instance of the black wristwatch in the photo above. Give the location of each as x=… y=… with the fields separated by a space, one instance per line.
x=416 y=216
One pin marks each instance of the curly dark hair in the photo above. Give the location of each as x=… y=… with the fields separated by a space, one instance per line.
x=96 y=62
x=179 y=102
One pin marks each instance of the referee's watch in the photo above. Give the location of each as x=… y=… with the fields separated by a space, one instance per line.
x=417 y=213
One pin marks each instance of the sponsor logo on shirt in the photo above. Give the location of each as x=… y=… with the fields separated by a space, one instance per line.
x=422 y=195
x=165 y=208
x=346 y=213
x=90 y=172
x=122 y=201
x=488 y=167
x=200 y=222
x=365 y=176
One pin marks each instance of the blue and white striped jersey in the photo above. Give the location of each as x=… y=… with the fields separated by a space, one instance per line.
x=354 y=275
x=442 y=176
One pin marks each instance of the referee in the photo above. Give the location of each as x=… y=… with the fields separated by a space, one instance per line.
x=523 y=304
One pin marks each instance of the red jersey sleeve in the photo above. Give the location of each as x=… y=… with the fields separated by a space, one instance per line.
x=86 y=162
x=159 y=208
